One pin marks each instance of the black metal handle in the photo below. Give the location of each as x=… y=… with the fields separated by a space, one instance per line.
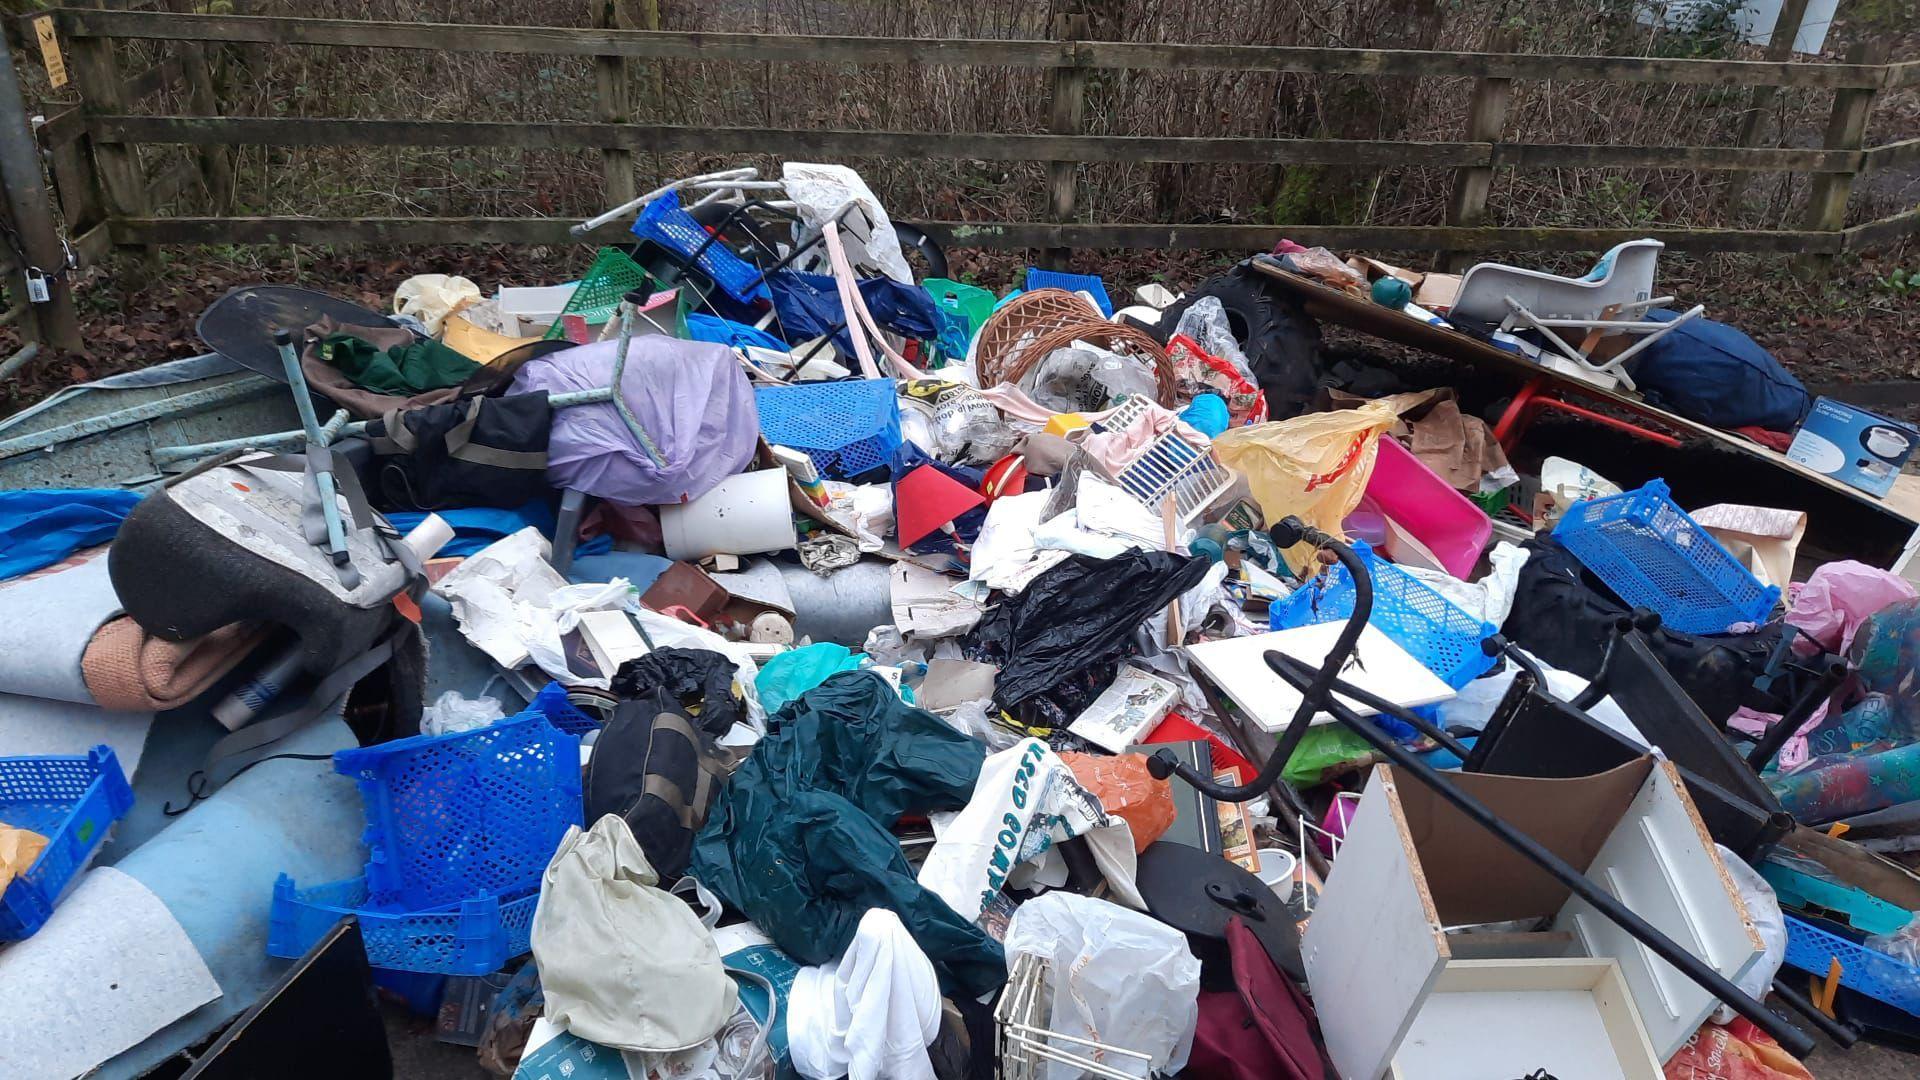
x=1287 y=533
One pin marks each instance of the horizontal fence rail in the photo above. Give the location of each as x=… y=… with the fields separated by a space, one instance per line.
x=135 y=211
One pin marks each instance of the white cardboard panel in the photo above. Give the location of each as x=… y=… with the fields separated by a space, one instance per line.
x=1374 y=945
x=1379 y=666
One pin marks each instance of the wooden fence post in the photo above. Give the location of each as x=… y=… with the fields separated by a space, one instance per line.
x=1069 y=108
x=53 y=321
x=1846 y=130
x=616 y=104
x=1779 y=47
x=216 y=162
x=1486 y=122
x=97 y=77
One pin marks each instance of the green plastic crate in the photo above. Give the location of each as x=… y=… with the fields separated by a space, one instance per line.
x=960 y=311
x=611 y=277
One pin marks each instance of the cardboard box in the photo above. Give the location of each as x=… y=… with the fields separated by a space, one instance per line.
x=1853 y=446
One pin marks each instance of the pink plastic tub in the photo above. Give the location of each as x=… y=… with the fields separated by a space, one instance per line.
x=1423 y=504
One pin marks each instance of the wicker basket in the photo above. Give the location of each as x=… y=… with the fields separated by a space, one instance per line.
x=1032 y=325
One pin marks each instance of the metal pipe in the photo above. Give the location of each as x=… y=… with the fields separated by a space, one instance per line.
x=1842 y=1034
x=19 y=359
x=1289 y=532
x=1797 y=1042
x=1776 y=736
x=316 y=440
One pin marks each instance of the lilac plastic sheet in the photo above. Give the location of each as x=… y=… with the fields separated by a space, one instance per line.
x=690 y=396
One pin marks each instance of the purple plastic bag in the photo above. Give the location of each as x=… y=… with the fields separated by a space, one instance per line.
x=690 y=396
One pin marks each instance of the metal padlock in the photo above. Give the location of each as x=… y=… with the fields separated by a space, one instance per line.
x=37 y=290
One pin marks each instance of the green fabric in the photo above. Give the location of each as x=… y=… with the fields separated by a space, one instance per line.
x=798 y=839
x=411 y=369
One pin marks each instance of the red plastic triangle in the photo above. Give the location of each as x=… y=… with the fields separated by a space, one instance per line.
x=926 y=499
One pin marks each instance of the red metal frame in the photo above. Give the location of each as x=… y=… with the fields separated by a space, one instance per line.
x=1536 y=396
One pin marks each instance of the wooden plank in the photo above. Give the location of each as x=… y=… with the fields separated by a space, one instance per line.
x=1068 y=114
x=791 y=142
x=1106 y=54
x=69 y=124
x=80 y=23
x=103 y=91
x=993 y=235
x=613 y=97
x=1881 y=233
x=294 y=131
x=1486 y=120
x=171 y=182
x=1905 y=73
x=1891 y=156
x=1846 y=130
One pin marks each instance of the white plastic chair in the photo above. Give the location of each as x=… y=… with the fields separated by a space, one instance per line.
x=1613 y=299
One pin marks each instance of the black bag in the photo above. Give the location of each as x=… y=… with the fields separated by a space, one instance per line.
x=477 y=451
x=1564 y=615
x=656 y=763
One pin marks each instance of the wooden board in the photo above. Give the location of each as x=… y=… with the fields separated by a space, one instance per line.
x=1331 y=305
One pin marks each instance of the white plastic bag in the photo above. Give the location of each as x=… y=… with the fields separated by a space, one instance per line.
x=453 y=712
x=1118 y=977
x=623 y=962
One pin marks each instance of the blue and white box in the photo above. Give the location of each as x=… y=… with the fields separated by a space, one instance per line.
x=1853 y=445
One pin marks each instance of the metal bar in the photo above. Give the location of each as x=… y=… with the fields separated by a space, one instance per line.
x=193 y=401
x=316 y=440
x=1784 y=728
x=19 y=359
x=1379 y=704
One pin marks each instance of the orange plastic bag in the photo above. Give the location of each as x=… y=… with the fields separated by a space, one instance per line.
x=1736 y=1051
x=1127 y=791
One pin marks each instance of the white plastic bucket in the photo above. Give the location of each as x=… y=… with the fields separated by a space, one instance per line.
x=1276 y=871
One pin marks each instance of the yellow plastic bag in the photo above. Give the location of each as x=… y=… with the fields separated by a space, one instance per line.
x=1315 y=466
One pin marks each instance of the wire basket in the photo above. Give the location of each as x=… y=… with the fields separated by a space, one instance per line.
x=1875 y=974
x=1073 y=283
x=474 y=937
x=455 y=816
x=611 y=277
x=1445 y=639
x=72 y=801
x=1027 y=1045
x=666 y=224
x=1653 y=555
x=846 y=427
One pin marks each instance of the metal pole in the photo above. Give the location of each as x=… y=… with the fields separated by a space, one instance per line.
x=32 y=214
x=1797 y=1042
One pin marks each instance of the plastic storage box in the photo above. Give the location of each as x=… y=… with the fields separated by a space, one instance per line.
x=473 y=937
x=1419 y=501
x=72 y=801
x=1445 y=639
x=1653 y=555
x=452 y=817
x=846 y=427
x=1875 y=974
x=959 y=311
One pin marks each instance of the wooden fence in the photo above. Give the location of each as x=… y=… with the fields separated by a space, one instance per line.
x=107 y=200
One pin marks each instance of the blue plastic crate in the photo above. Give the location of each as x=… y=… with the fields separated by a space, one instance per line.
x=1073 y=283
x=473 y=937
x=1653 y=555
x=456 y=816
x=1875 y=974
x=551 y=702
x=665 y=223
x=846 y=427
x=72 y=801
x=1445 y=639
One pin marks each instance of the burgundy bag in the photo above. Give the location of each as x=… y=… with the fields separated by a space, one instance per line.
x=1262 y=1029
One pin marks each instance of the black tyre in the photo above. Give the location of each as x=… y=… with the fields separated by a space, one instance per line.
x=924 y=255
x=1282 y=344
